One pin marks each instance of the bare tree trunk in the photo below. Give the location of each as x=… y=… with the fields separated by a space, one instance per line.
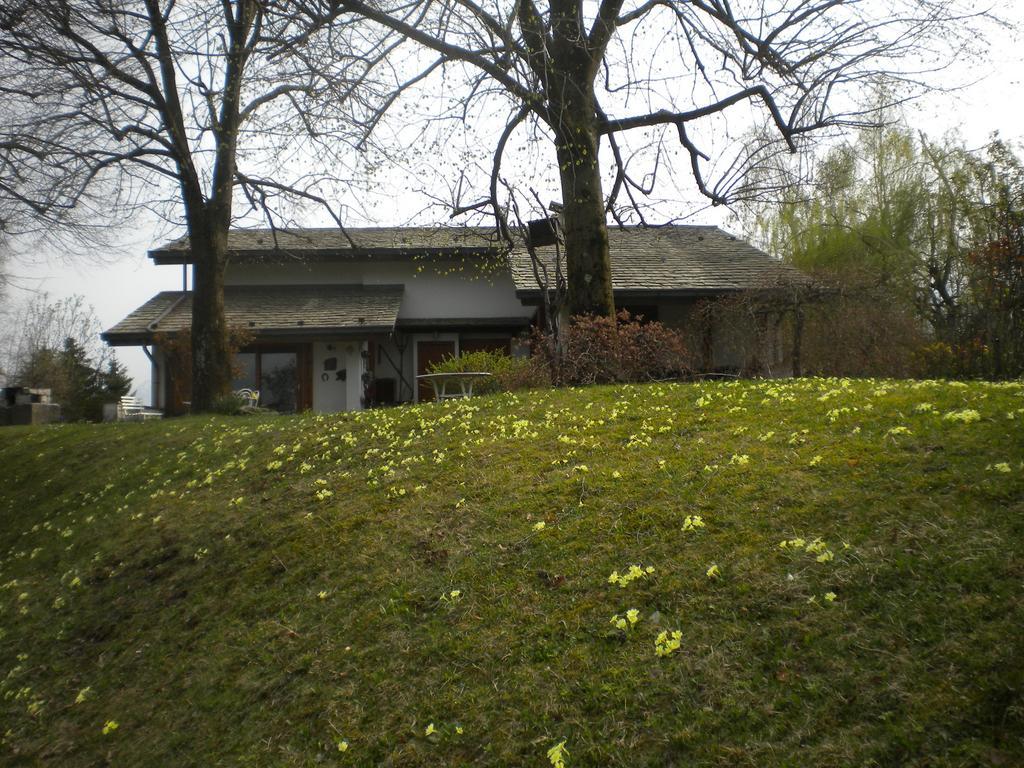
x=211 y=356
x=587 y=259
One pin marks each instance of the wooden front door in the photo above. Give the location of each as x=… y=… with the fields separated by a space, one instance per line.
x=428 y=352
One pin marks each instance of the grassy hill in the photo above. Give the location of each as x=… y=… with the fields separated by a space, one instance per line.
x=842 y=562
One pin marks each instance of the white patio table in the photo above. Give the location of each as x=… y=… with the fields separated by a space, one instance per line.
x=461 y=383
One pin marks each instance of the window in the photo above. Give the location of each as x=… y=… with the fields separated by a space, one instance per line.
x=244 y=371
x=278 y=380
x=273 y=373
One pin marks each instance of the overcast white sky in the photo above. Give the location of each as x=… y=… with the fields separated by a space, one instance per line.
x=117 y=286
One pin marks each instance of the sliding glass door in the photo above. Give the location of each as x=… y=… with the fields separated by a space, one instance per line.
x=279 y=381
x=277 y=372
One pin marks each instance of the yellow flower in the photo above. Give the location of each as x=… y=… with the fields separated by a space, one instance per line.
x=965 y=416
x=82 y=694
x=322 y=594
x=633 y=615
x=713 y=572
x=430 y=730
x=109 y=727
x=539 y=526
x=667 y=643
x=557 y=755
x=830 y=596
x=343 y=746
x=816 y=546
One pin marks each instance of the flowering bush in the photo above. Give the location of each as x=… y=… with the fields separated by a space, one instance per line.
x=601 y=350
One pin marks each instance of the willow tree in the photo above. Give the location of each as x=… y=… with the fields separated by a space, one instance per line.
x=627 y=76
x=180 y=106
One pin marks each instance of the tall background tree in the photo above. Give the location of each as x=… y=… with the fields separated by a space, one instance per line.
x=178 y=106
x=917 y=243
x=54 y=344
x=657 y=83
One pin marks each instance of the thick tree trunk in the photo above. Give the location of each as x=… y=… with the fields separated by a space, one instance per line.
x=211 y=354
x=573 y=110
x=587 y=259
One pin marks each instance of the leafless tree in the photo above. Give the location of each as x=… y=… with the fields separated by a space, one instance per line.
x=178 y=105
x=648 y=79
x=41 y=322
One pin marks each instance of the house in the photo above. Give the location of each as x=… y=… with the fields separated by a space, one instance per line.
x=336 y=320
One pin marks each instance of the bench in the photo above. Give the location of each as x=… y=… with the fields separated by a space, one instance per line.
x=129 y=408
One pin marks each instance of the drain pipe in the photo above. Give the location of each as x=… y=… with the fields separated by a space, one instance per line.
x=174 y=305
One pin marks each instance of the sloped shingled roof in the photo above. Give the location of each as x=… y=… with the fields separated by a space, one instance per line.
x=679 y=259
x=646 y=261
x=334 y=243
x=276 y=310
x=674 y=259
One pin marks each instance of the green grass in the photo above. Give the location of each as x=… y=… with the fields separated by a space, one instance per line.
x=164 y=578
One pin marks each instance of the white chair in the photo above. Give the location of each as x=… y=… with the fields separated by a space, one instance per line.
x=249 y=397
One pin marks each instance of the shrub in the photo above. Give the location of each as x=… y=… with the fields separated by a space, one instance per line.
x=968 y=359
x=602 y=350
x=177 y=347
x=507 y=373
x=227 y=405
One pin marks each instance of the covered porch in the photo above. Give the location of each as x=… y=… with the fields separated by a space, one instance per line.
x=325 y=348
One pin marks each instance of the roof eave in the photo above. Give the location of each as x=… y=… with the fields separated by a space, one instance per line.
x=475 y=323
x=533 y=294
x=135 y=339
x=162 y=257
x=115 y=339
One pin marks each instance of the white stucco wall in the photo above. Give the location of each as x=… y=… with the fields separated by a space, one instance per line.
x=428 y=294
x=332 y=365
x=333 y=392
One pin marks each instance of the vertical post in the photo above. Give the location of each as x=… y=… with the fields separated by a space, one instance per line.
x=798 y=336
